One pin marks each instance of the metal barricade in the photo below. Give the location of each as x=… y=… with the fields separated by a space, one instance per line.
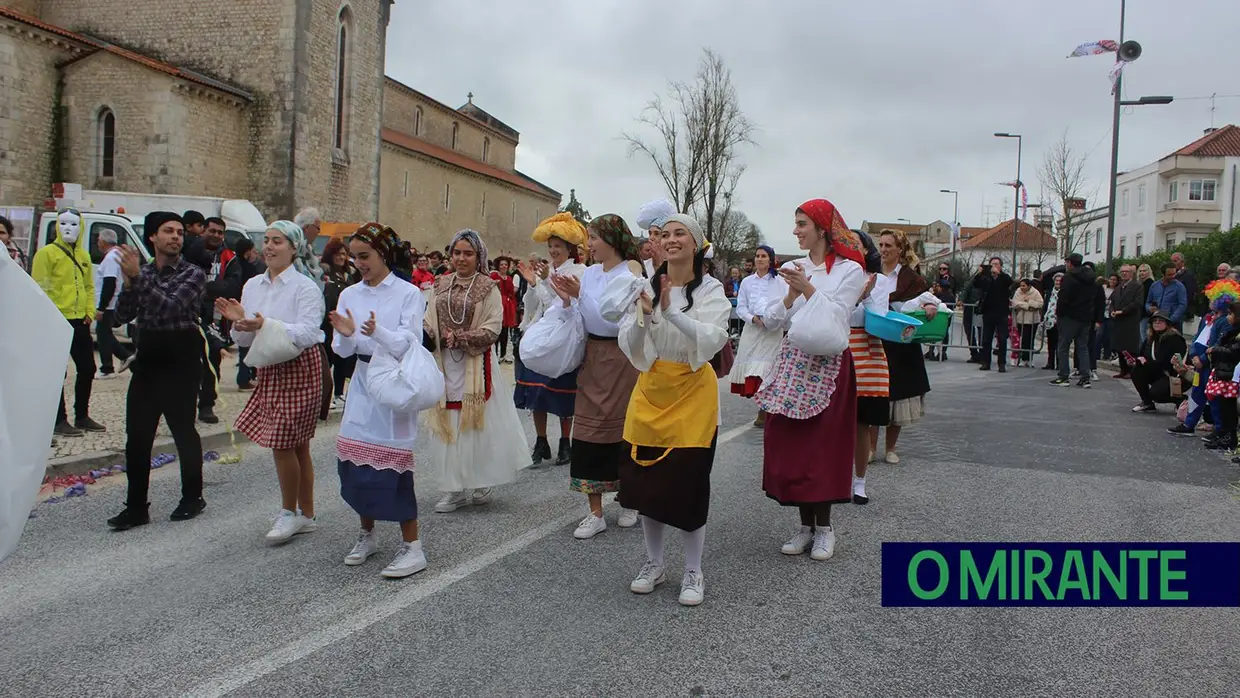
x=969 y=338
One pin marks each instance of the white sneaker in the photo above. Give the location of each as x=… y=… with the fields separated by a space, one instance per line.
x=362 y=549
x=650 y=576
x=337 y=404
x=127 y=363
x=590 y=527
x=799 y=542
x=891 y=457
x=692 y=589
x=628 y=518
x=286 y=526
x=308 y=524
x=1093 y=375
x=451 y=502
x=480 y=496
x=824 y=544
x=101 y=376
x=409 y=560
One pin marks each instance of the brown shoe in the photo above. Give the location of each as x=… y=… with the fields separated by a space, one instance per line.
x=760 y=421
x=245 y=386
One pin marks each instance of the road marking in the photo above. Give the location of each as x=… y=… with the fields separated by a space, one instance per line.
x=245 y=674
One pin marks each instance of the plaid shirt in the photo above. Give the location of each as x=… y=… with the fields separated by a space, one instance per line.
x=164 y=299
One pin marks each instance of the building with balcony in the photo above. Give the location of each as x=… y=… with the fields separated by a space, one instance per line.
x=1181 y=198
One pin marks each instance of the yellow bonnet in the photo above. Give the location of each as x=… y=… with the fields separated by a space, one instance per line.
x=563 y=226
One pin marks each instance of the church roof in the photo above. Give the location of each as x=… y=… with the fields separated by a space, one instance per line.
x=452 y=157
x=94 y=45
x=474 y=111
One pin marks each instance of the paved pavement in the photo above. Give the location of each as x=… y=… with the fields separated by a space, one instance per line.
x=107 y=406
x=513 y=605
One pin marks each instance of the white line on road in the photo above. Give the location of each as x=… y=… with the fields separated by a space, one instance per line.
x=245 y=674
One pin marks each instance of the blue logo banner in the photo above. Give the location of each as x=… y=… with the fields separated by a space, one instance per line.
x=1061 y=574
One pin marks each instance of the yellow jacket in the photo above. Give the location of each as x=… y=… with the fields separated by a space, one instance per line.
x=67 y=276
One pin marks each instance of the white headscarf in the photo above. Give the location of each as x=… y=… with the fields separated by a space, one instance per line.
x=655 y=213
x=695 y=229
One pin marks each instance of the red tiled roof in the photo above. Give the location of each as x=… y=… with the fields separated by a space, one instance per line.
x=453 y=157
x=1029 y=238
x=1225 y=142
x=99 y=45
x=967 y=232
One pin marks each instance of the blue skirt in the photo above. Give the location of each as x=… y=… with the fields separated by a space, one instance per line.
x=538 y=393
x=383 y=495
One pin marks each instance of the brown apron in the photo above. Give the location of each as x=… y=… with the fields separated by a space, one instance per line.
x=326 y=405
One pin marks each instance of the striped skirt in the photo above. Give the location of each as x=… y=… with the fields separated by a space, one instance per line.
x=870 y=363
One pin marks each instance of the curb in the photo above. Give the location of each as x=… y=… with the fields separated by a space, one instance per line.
x=83 y=463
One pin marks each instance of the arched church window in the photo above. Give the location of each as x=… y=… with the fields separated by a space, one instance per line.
x=344 y=70
x=107 y=142
x=456 y=130
x=417 y=121
x=486 y=149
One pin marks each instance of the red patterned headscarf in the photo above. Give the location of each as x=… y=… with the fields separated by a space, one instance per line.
x=844 y=242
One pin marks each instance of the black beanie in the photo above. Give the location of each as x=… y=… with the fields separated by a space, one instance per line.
x=155 y=219
x=192 y=217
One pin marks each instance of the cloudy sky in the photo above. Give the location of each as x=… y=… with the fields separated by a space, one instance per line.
x=875 y=106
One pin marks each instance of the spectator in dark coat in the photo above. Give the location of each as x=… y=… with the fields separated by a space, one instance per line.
x=1077 y=293
x=1185 y=276
x=997 y=289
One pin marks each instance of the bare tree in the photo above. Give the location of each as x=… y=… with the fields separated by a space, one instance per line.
x=1062 y=174
x=736 y=237
x=700 y=128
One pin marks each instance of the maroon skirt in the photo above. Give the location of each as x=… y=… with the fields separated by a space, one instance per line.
x=810 y=461
x=722 y=363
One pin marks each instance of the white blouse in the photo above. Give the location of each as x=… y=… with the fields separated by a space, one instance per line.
x=593 y=282
x=399 y=307
x=841 y=287
x=754 y=294
x=691 y=337
x=926 y=298
x=293 y=299
x=877 y=301
x=540 y=296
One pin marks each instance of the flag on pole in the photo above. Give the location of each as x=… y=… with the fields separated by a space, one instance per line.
x=1115 y=73
x=1094 y=48
x=1024 y=196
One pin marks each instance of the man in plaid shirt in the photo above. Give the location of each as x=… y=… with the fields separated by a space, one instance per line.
x=164 y=298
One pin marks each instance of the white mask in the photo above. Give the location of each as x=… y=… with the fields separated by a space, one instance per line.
x=70 y=226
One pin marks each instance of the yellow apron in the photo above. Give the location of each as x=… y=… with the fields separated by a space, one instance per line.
x=672 y=406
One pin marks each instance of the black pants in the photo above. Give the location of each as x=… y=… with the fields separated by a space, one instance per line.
x=1230 y=415
x=994 y=335
x=1027 y=334
x=245 y=374
x=208 y=374
x=1052 y=346
x=342 y=369
x=165 y=382
x=1153 y=386
x=969 y=333
x=82 y=351
x=1073 y=332
x=502 y=341
x=106 y=341
x=1093 y=348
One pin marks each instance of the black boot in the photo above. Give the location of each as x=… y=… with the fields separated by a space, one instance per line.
x=131 y=517
x=566 y=452
x=542 y=451
x=188 y=509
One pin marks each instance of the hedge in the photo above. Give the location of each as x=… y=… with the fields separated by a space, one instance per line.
x=1202 y=257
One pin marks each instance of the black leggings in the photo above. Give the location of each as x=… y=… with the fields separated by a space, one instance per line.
x=82 y=351
x=342 y=369
x=502 y=341
x=815 y=514
x=1230 y=413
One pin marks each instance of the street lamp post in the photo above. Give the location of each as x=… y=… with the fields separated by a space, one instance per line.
x=1119 y=103
x=955 y=215
x=1015 y=194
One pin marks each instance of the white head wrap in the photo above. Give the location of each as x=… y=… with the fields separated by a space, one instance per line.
x=695 y=229
x=655 y=213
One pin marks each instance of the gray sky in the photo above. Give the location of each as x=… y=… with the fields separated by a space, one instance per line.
x=875 y=106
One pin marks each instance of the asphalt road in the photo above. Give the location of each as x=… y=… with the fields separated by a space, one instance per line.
x=513 y=605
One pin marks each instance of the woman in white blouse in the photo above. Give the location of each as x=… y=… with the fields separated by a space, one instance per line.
x=282 y=410
x=374 y=448
x=811 y=394
x=606 y=378
x=759 y=343
x=670 y=334
x=535 y=392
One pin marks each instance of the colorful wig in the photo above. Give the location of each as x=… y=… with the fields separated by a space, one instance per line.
x=1222 y=293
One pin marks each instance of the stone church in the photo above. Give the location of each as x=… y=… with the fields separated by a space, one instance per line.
x=282 y=102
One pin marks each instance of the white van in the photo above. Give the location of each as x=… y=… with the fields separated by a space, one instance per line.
x=241 y=217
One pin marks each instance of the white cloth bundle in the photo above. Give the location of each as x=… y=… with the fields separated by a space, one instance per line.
x=35 y=347
x=619 y=297
x=410 y=383
x=556 y=344
x=272 y=345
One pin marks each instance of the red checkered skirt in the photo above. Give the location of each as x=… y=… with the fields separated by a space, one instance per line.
x=285 y=404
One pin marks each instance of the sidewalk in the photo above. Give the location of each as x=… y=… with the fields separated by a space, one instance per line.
x=75 y=456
